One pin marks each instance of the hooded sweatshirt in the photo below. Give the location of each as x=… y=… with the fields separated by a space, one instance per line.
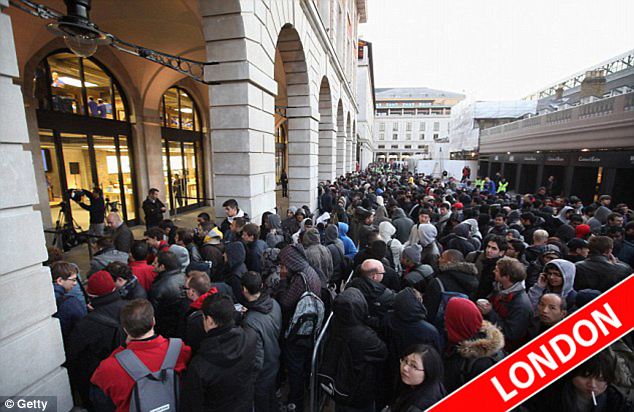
x=427 y=234
x=349 y=247
x=318 y=256
x=402 y=224
x=276 y=235
x=407 y=324
x=568 y=270
x=600 y=218
x=562 y=214
x=386 y=231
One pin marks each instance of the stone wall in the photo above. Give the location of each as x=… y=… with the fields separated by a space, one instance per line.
x=31 y=349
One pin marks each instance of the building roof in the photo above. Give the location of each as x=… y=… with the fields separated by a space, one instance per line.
x=414 y=93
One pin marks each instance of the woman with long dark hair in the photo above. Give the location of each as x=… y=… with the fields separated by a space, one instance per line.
x=421 y=377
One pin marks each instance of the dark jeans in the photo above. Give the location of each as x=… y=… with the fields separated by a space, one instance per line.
x=297 y=359
x=265 y=399
x=343 y=408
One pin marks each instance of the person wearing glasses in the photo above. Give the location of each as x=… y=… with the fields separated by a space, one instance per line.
x=69 y=309
x=421 y=378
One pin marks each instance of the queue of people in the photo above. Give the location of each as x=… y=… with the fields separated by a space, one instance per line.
x=446 y=280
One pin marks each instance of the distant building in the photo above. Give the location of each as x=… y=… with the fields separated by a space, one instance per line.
x=583 y=135
x=413 y=123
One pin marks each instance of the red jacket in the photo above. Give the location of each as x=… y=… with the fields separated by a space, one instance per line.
x=144 y=273
x=111 y=378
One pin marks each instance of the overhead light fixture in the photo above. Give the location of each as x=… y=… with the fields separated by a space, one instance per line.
x=71 y=81
x=187 y=110
x=508 y=153
x=538 y=151
x=585 y=150
x=81 y=36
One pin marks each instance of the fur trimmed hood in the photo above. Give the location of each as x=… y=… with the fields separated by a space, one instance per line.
x=488 y=341
x=464 y=267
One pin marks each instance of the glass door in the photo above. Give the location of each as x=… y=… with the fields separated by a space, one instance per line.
x=78 y=172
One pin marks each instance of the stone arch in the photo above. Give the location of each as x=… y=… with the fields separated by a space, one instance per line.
x=349 y=137
x=303 y=128
x=327 y=134
x=341 y=140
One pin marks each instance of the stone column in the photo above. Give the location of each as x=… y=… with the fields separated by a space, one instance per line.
x=303 y=149
x=327 y=151
x=242 y=106
x=31 y=348
x=348 y=166
x=341 y=152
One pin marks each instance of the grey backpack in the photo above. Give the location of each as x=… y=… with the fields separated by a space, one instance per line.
x=153 y=391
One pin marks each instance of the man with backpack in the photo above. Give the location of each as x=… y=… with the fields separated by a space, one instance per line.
x=299 y=296
x=95 y=336
x=128 y=370
x=353 y=356
x=455 y=276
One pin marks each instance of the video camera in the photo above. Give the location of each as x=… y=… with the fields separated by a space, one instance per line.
x=78 y=194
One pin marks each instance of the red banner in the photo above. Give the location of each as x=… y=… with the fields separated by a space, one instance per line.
x=549 y=356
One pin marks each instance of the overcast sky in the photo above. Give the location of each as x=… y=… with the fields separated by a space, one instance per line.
x=493 y=49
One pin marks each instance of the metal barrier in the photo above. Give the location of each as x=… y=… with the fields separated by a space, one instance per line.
x=317 y=398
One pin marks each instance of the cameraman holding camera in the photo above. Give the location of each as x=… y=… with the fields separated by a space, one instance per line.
x=96 y=208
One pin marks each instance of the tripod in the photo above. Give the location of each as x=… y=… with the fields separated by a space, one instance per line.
x=66 y=232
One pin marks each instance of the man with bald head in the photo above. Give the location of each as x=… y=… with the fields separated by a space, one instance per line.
x=379 y=297
x=121 y=235
x=550 y=311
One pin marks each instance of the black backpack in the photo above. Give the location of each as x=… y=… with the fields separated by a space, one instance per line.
x=338 y=376
x=118 y=334
x=466 y=371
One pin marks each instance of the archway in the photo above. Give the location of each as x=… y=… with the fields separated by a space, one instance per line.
x=327 y=134
x=303 y=137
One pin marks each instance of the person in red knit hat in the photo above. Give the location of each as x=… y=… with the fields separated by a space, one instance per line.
x=473 y=344
x=99 y=333
x=583 y=231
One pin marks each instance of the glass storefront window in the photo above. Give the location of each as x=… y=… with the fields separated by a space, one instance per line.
x=178 y=110
x=69 y=84
x=78 y=172
x=182 y=150
x=98 y=90
x=65 y=83
x=126 y=171
x=73 y=156
x=108 y=171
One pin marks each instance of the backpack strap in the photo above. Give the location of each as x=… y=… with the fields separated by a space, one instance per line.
x=305 y=281
x=133 y=365
x=173 y=352
x=442 y=287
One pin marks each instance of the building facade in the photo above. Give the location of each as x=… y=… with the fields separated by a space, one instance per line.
x=412 y=122
x=583 y=137
x=281 y=97
x=366 y=97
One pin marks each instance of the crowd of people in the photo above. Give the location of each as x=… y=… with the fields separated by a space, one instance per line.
x=431 y=281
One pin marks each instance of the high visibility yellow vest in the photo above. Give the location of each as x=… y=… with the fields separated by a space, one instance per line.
x=502 y=187
x=479 y=183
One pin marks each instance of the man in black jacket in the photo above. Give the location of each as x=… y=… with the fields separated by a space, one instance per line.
x=153 y=208
x=263 y=316
x=95 y=336
x=600 y=270
x=126 y=283
x=380 y=298
x=355 y=348
x=96 y=209
x=166 y=294
x=221 y=377
x=456 y=275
